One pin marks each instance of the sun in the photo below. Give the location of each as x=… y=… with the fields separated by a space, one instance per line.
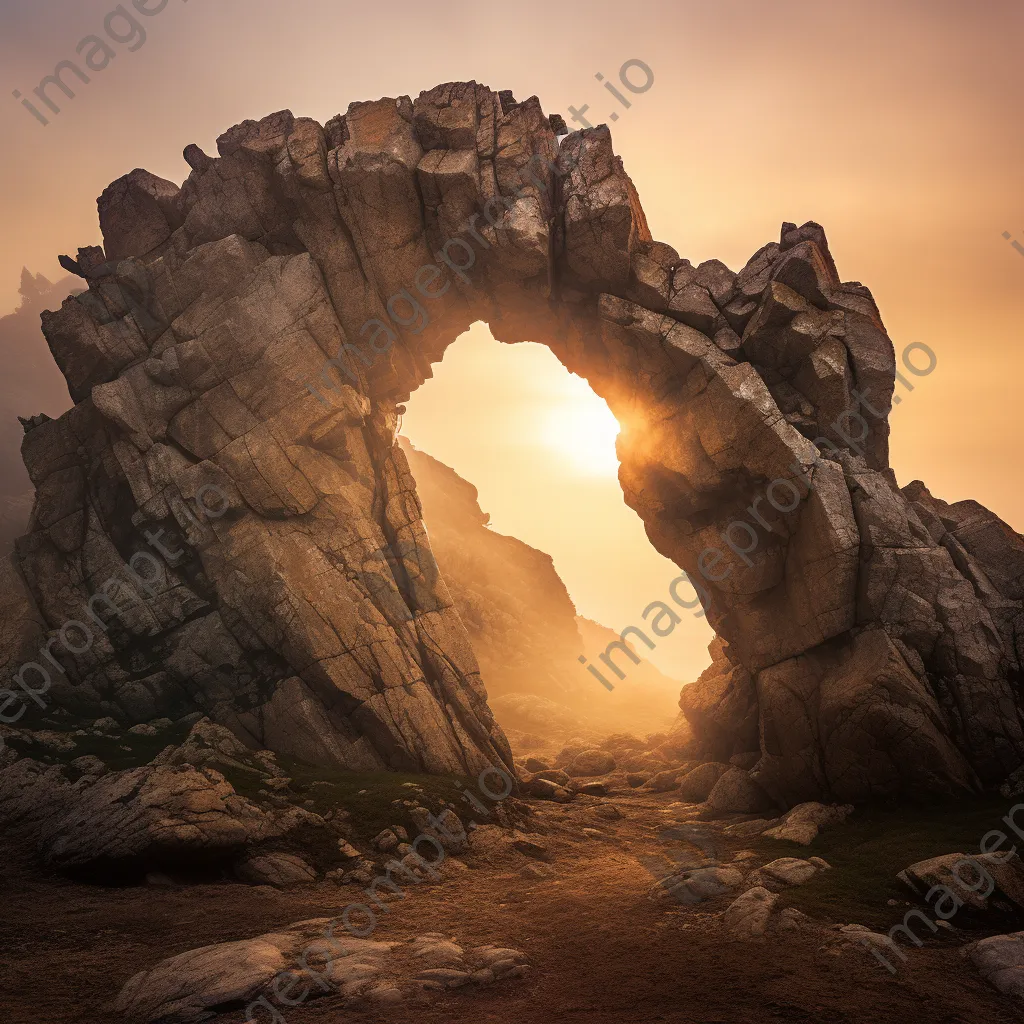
x=582 y=428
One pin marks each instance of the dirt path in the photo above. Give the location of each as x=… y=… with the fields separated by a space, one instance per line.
x=601 y=949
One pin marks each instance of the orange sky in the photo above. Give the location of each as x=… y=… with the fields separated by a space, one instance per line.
x=896 y=125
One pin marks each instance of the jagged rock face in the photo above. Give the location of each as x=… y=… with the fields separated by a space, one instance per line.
x=868 y=642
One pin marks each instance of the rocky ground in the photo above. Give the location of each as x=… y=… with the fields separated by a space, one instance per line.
x=611 y=890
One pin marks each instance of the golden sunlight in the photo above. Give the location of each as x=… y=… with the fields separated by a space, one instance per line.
x=582 y=427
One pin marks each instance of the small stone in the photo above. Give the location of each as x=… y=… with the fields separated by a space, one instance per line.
x=531 y=849
x=89 y=764
x=386 y=841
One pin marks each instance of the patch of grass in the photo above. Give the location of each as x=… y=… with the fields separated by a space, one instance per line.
x=367 y=796
x=109 y=749
x=875 y=843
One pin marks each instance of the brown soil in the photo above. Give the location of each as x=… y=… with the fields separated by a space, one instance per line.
x=601 y=949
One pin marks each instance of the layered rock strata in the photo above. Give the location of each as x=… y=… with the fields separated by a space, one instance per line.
x=872 y=635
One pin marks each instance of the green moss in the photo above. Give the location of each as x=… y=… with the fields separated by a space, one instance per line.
x=875 y=843
x=109 y=749
x=368 y=796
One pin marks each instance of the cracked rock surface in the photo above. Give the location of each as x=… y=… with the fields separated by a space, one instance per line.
x=308 y=960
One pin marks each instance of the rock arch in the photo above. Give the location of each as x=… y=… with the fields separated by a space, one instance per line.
x=254 y=333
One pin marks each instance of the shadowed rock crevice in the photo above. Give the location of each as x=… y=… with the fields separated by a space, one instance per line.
x=869 y=632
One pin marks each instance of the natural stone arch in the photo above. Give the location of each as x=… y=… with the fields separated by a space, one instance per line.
x=867 y=642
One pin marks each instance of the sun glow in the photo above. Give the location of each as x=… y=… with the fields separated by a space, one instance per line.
x=583 y=428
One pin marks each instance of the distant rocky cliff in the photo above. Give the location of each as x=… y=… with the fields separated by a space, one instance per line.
x=522 y=622
x=30 y=382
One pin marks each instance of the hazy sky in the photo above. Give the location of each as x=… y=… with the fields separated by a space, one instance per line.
x=894 y=124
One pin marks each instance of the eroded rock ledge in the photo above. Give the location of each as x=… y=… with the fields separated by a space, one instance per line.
x=871 y=638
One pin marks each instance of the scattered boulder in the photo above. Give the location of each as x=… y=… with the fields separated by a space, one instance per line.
x=663 y=781
x=385 y=841
x=544 y=789
x=982 y=883
x=747 y=916
x=1000 y=959
x=859 y=934
x=146 y=814
x=591 y=762
x=496 y=845
x=90 y=765
x=787 y=871
x=281 y=870
x=696 y=785
x=735 y=792
x=197 y=984
x=265 y=976
x=446 y=828
x=209 y=744
x=802 y=823
x=694 y=885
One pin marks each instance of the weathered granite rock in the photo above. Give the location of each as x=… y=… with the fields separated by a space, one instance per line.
x=1000 y=959
x=802 y=823
x=747 y=916
x=175 y=814
x=735 y=792
x=281 y=870
x=229 y=487
x=590 y=763
x=697 y=784
x=270 y=974
x=977 y=882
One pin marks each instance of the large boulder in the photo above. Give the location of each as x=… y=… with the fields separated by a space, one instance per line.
x=282 y=870
x=748 y=915
x=697 y=784
x=980 y=882
x=735 y=793
x=590 y=763
x=1000 y=959
x=801 y=824
x=266 y=976
x=178 y=815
